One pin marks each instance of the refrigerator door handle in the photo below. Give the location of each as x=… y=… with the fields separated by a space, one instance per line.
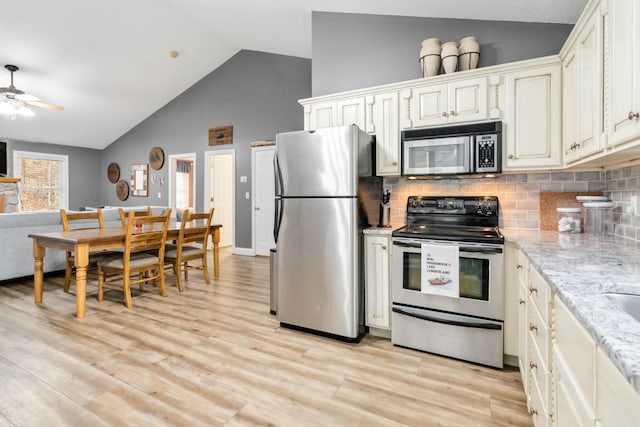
x=279 y=185
x=277 y=218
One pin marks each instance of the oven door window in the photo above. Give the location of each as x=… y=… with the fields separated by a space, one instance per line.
x=474 y=276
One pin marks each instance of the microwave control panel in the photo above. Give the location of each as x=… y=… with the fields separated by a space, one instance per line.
x=486 y=153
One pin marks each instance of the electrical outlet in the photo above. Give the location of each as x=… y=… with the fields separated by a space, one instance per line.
x=633 y=201
x=247 y=195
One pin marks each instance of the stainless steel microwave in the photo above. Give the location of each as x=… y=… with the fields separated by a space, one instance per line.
x=454 y=150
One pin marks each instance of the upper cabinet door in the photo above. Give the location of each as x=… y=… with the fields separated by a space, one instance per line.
x=387 y=131
x=622 y=72
x=429 y=105
x=461 y=101
x=582 y=92
x=351 y=111
x=533 y=119
x=468 y=100
x=323 y=115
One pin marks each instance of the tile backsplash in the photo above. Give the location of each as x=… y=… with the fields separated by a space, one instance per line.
x=518 y=193
x=621 y=186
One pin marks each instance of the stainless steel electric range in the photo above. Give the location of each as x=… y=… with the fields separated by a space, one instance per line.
x=447 y=279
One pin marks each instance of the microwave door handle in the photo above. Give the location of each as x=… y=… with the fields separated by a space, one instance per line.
x=477 y=325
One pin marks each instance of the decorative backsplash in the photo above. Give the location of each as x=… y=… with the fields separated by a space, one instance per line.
x=621 y=185
x=519 y=194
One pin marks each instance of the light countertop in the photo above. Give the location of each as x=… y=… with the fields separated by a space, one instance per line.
x=580 y=268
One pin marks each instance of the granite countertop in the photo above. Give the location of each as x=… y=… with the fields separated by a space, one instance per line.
x=580 y=268
x=382 y=230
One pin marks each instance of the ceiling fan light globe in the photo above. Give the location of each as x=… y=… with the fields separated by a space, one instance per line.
x=25 y=111
x=7 y=109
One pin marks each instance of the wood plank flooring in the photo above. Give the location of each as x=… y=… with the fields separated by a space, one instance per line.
x=213 y=356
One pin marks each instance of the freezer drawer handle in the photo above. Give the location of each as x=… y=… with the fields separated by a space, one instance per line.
x=478 y=325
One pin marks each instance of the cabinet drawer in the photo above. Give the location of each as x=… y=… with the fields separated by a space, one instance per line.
x=575 y=346
x=540 y=294
x=539 y=333
x=539 y=373
x=537 y=409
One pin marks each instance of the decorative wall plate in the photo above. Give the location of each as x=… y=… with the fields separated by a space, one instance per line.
x=156 y=158
x=113 y=172
x=122 y=190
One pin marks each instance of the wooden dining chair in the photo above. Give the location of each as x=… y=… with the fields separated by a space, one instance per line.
x=142 y=260
x=80 y=220
x=194 y=230
x=124 y=215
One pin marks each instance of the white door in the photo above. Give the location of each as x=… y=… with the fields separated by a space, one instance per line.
x=220 y=192
x=182 y=182
x=263 y=193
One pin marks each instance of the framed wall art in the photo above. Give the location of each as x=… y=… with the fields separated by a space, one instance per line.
x=140 y=180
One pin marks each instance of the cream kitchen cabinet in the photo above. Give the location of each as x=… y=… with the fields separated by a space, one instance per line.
x=511 y=308
x=622 y=72
x=384 y=123
x=582 y=90
x=617 y=401
x=538 y=345
x=574 y=367
x=335 y=113
x=460 y=101
x=532 y=139
x=377 y=280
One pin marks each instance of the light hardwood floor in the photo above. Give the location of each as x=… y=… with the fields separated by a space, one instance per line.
x=213 y=356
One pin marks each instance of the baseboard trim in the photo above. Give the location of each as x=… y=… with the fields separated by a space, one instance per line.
x=243 y=251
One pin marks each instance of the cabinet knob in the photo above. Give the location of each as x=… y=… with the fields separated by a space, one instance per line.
x=633 y=115
x=384 y=247
x=452 y=113
x=533 y=327
x=533 y=365
x=395 y=163
x=444 y=114
x=533 y=412
x=511 y=156
x=532 y=290
x=521 y=301
x=257 y=208
x=519 y=266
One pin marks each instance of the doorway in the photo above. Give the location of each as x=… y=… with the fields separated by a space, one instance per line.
x=182 y=183
x=219 y=192
x=263 y=198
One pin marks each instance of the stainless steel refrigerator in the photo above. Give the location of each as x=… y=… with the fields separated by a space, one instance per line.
x=317 y=229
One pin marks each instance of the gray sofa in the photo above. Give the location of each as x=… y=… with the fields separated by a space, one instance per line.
x=16 y=248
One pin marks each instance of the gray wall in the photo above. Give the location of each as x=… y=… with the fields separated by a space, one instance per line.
x=352 y=51
x=255 y=92
x=84 y=164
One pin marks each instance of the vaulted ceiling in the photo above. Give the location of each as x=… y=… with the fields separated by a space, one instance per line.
x=108 y=62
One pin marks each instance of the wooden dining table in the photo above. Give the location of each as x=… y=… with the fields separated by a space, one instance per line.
x=82 y=241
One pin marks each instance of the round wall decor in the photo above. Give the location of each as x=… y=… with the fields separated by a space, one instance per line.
x=122 y=190
x=156 y=158
x=113 y=172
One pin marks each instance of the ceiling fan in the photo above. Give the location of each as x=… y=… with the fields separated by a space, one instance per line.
x=14 y=101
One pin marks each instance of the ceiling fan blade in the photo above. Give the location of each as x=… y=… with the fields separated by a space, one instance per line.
x=45 y=105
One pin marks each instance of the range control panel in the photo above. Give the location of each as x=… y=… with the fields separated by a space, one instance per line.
x=461 y=206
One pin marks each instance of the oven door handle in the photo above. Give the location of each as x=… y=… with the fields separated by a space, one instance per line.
x=407 y=245
x=488 y=251
x=477 y=325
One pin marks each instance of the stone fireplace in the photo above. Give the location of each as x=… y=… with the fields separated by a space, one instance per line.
x=9 y=195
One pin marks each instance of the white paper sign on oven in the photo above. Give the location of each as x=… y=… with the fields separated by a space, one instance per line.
x=440 y=267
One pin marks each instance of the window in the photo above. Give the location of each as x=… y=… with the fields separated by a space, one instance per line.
x=44 y=180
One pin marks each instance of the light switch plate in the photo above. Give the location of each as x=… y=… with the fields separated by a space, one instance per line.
x=633 y=201
x=247 y=195
x=243 y=179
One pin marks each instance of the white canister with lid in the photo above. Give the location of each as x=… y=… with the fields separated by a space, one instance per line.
x=596 y=216
x=569 y=220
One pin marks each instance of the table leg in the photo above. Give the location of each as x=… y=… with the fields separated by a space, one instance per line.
x=38 y=264
x=216 y=254
x=81 y=260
